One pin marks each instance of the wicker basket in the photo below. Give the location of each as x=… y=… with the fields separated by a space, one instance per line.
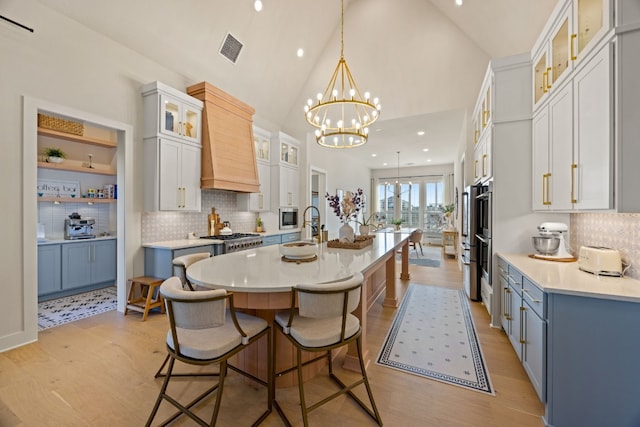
x=61 y=125
x=361 y=242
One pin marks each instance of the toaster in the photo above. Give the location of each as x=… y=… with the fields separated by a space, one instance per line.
x=600 y=261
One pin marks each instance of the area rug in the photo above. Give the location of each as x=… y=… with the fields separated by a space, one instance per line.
x=423 y=262
x=64 y=310
x=433 y=336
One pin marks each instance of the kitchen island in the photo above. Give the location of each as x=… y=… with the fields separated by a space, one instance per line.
x=261 y=282
x=577 y=335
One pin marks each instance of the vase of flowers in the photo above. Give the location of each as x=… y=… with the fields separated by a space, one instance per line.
x=397 y=223
x=365 y=225
x=346 y=209
x=448 y=212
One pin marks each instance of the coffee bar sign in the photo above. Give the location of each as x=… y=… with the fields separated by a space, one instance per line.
x=57 y=188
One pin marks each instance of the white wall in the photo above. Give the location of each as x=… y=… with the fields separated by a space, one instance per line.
x=65 y=64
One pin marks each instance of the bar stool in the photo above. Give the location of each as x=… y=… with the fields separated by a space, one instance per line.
x=144 y=295
x=181 y=263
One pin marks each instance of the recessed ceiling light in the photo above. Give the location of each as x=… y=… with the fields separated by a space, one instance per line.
x=425 y=149
x=459 y=2
x=257 y=5
x=420 y=132
x=374 y=155
x=300 y=52
x=428 y=160
x=384 y=164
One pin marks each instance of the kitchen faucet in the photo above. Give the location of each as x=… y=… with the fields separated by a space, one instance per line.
x=304 y=222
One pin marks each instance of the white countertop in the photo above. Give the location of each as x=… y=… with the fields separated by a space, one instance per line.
x=262 y=270
x=64 y=241
x=566 y=278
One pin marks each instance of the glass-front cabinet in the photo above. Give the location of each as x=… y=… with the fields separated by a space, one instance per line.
x=574 y=32
x=262 y=141
x=179 y=119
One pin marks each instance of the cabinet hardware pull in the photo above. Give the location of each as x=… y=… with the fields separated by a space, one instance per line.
x=475 y=168
x=526 y=291
x=548 y=78
x=545 y=79
x=523 y=339
x=484 y=161
x=545 y=189
x=573 y=194
x=573 y=55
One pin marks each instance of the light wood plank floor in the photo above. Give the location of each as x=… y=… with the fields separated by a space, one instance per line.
x=99 y=372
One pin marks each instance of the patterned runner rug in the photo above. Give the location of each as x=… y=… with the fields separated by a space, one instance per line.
x=433 y=336
x=75 y=307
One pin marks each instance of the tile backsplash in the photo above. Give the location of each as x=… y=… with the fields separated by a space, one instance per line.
x=162 y=226
x=618 y=231
x=52 y=216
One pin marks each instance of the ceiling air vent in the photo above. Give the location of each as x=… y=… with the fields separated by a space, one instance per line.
x=231 y=48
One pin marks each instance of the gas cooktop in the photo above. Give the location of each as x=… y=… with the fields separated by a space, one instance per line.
x=230 y=236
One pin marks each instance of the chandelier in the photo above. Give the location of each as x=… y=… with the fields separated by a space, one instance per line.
x=341 y=114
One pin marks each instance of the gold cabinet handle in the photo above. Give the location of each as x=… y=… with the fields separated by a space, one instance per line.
x=548 y=78
x=484 y=118
x=573 y=41
x=522 y=318
x=546 y=200
x=475 y=168
x=545 y=79
x=573 y=179
x=484 y=163
x=475 y=136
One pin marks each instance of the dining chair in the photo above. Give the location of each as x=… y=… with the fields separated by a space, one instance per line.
x=204 y=332
x=416 y=239
x=322 y=322
x=181 y=263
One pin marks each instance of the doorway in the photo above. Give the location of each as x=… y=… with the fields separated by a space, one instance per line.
x=317 y=190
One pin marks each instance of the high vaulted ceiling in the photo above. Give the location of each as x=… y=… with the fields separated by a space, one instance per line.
x=424 y=59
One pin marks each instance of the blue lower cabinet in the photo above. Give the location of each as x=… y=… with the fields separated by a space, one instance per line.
x=271 y=240
x=290 y=237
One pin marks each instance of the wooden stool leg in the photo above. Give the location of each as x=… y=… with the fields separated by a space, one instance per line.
x=147 y=304
x=132 y=285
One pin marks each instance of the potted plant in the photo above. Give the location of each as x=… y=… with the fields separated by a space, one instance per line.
x=259 y=228
x=397 y=222
x=54 y=155
x=448 y=210
x=365 y=225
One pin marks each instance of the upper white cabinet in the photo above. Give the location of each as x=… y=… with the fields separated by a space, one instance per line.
x=173 y=153
x=260 y=201
x=171 y=113
x=573 y=31
x=285 y=176
x=585 y=125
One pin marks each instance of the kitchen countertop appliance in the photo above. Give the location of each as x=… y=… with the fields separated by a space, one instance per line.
x=237 y=241
x=77 y=227
x=550 y=243
x=600 y=261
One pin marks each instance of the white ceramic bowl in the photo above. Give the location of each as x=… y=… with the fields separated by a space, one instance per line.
x=300 y=249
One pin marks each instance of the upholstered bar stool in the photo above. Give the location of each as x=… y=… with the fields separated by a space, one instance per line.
x=323 y=322
x=204 y=332
x=181 y=263
x=144 y=295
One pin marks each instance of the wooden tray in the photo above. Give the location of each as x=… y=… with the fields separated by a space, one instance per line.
x=361 y=242
x=548 y=258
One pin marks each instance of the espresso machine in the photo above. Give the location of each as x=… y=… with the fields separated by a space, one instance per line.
x=77 y=227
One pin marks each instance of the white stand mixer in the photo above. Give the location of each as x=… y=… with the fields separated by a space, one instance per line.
x=555 y=229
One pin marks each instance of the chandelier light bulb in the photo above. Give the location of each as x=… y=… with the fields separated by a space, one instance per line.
x=306 y=109
x=318 y=133
x=309 y=102
x=328 y=122
x=335 y=93
x=339 y=124
x=375 y=101
x=367 y=95
x=366 y=131
x=316 y=120
x=352 y=92
x=319 y=96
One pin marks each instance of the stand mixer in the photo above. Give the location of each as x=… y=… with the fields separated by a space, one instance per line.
x=551 y=232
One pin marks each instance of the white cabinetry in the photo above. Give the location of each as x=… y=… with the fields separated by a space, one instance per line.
x=171 y=113
x=285 y=176
x=172 y=150
x=261 y=201
x=574 y=29
x=572 y=141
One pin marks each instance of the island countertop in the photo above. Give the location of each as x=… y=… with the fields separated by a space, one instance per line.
x=566 y=278
x=262 y=270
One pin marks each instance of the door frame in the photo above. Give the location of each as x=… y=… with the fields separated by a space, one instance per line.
x=125 y=183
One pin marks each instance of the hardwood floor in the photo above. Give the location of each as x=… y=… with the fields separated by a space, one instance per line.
x=99 y=372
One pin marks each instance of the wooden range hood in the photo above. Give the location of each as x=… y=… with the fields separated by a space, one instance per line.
x=228 y=153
